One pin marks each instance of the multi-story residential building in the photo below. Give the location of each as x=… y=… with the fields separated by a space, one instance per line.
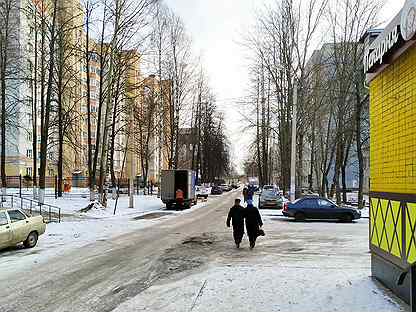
x=134 y=94
x=187 y=142
x=154 y=111
x=19 y=90
x=26 y=62
x=321 y=69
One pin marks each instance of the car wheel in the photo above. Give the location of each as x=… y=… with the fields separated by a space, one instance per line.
x=31 y=240
x=347 y=217
x=300 y=216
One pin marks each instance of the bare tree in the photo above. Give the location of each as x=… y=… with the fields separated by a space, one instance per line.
x=282 y=45
x=11 y=76
x=350 y=19
x=46 y=103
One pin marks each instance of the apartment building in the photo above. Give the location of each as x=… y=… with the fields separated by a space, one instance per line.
x=132 y=94
x=321 y=69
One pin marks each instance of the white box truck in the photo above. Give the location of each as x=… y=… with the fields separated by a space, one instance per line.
x=174 y=180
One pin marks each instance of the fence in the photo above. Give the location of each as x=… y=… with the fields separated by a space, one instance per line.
x=22 y=185
x=50 y=213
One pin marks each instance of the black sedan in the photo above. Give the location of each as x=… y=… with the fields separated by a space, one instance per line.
x=216 y=190
x=319 y=208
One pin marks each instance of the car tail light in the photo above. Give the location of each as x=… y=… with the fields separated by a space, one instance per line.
x=285 y=206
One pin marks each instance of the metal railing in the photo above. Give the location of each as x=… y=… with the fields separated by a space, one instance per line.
x=48 y=212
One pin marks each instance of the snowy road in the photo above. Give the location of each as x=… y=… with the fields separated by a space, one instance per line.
x=188 y=263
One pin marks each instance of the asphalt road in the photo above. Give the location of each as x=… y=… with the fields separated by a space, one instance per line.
x=100 y=276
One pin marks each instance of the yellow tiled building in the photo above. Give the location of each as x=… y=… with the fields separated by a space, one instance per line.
x=390 y=64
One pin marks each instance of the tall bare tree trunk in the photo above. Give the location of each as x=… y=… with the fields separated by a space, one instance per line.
x=4 y=53
x=35 y=111
x=91 y=173
x=47 y=109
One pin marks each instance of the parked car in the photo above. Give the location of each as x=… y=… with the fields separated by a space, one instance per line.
x=270 y=198
x=313 y=207
x=216 y=190
x=225 y=187
x=202 y=192
x=17 y=227
x=269 y=187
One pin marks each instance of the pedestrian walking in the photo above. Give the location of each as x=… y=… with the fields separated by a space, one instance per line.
x=253 y=223
x=245 y=191
x=250 y=193
x=236 y=216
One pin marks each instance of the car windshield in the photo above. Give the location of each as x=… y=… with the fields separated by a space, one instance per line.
x=269 y=193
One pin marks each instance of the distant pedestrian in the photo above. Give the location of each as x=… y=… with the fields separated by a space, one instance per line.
x=245 y=191
x=250 y=193
x=236 y=216
x=253 y=223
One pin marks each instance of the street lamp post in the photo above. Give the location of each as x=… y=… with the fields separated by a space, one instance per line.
x=292 y=192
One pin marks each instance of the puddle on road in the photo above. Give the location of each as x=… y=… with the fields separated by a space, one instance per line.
x=153 y=215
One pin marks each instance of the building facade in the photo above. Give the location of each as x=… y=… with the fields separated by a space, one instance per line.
x=321 y=73
x=390 y=64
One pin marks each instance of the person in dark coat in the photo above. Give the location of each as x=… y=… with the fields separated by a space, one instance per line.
x=250 y=193
x=253 y=223
x=236 y=215
x=245 y=191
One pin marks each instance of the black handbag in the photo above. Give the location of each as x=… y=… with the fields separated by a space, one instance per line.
x=260 y=232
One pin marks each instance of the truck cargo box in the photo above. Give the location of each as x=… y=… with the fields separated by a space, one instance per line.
x=172 y=180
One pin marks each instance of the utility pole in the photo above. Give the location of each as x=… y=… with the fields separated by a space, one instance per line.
x=292 y=191
x=131 y=180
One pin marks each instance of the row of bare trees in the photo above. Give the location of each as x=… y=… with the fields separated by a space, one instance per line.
x=313 y=46
x=79 y=71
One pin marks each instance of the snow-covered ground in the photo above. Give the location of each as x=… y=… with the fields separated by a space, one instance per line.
x=297 y=267
x=80 y=229
x=73 y=205
x=265 y=288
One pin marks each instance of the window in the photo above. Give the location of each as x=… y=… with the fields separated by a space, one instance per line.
x=309 y=203
x=16 y=215
x=326 y=203
x=29 y=153
x=3 y=219
x=29 y=171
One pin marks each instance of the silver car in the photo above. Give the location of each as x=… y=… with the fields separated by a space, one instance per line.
x=270 y=198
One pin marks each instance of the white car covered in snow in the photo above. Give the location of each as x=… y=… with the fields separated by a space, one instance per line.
x=17 y=227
